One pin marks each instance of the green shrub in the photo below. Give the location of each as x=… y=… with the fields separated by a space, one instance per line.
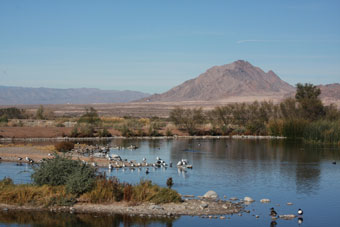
x=77 y=176
x=64 y=146
x=275 y=127
x=81 y=180
x=4 y=118
x=294 y=128
x=104 y=133
x=323 y=131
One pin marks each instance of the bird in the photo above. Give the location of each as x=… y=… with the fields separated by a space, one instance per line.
x=273 y=212
x=110 y=166
x=19 y=158
x=170 y=164
x=147 y=171
x=300 y=212
x=144 y=159
x=334 y=163
x=300 y=220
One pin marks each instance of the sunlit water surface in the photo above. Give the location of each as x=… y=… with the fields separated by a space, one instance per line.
x=283 y=171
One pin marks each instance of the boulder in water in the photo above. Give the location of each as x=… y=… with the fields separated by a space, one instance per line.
x=210 y=195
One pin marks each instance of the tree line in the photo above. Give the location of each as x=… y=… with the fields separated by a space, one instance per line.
x=294 y=117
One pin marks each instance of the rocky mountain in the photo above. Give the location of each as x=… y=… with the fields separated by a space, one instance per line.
x=330 y=93
x=24 y=95
x=227 y=82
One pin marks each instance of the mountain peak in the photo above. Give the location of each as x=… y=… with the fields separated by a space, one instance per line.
x=239 y=78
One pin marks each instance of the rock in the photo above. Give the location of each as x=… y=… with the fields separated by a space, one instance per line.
x=222 y=217
x=233 y=199
x=257 y=216
x=188 y=196
x=210 y=195
x=265 y=200
x=289 y=203
x=225 y=206
x=287 y=216
x=225 y=196
x=203 y=206
x=248 y=199
x=156 y=207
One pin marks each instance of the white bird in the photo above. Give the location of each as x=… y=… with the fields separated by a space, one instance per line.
x=19 y=158
x=94 y=164
x=158 y=158
x=144 y=159
x=179 y=163
x=300 y=212
x=110 y=166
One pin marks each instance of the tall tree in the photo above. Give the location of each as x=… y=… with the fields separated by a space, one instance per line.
x=307 y=95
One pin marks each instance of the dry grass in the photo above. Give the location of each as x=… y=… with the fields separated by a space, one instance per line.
x=37 y=147
x=26 y=194
x=111 y=190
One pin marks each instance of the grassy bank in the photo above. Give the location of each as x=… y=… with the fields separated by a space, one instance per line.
x=104 y=191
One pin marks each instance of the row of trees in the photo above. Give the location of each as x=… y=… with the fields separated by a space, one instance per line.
x=289 y=118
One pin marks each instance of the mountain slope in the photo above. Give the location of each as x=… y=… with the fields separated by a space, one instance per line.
x=237 y=79
x=23 y=95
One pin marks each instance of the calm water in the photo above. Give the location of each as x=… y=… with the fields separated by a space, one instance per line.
x=282 y=171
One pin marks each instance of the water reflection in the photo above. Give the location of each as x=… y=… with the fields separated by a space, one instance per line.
x=67 y=219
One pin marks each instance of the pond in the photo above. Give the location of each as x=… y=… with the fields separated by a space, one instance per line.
x=281 y=170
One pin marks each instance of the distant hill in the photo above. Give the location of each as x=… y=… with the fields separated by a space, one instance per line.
x=330 y=93
x=24 y=95
x=227 y=82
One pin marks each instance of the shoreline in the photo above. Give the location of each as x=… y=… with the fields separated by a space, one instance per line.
x=189 y=207
x=33 y=139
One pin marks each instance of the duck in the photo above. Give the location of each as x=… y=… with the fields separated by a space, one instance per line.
x=273 y=212
x=19 y=158
x=300 y=220
x=334 y=162
x=300 y=212
x=110 y=166
x=147 y=171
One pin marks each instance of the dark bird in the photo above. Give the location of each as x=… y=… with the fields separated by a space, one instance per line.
x=300 y=212
x=273 y=212
x=147 y=171
x=334 y=163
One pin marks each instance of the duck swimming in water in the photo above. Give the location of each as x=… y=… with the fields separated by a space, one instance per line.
x=300 y=212
x=273 y=212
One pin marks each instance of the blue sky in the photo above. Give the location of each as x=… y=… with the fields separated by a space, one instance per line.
x=152 y=46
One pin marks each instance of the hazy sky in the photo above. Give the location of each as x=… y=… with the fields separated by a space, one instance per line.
x=152 y=46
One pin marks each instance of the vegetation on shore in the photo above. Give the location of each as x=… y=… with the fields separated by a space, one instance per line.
x=303 y=116
x=61 y=181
